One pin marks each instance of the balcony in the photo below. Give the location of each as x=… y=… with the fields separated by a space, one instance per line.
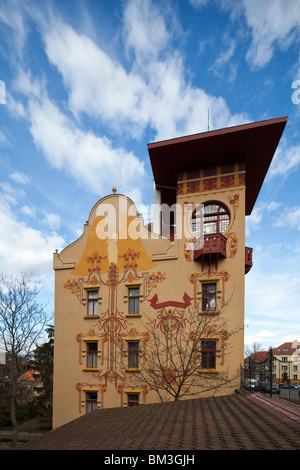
x=214 y=248
x=248 y=259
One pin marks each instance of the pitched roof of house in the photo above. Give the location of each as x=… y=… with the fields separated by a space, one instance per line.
x=254 y=143
x=287 y=348
x=258 y=356
x=29 y=378
x=238 y=421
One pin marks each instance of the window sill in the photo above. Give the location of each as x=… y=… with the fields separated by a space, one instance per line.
x=208 y=371
x=209 y=312
x=133 y=369
x=91 y=369
x=133 y=315
x=91 y=317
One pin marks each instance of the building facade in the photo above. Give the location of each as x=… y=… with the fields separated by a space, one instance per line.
x=286 y=366
x=144 y=313
x=283 y=361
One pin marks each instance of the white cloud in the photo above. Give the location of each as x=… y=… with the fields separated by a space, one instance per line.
x=97 y=85
x=23 y=248
x=265 y=334
x=265 y=339
x=273 y=23
x=3 y=139
x=19 y=177
x=142 y=18
x=286 y=160
x=28 y=85
x=52 y=221
x=268 y=295
x=153 y=91
x=198 y=3
x=223 y=62
x=15 y=108
x=90 y=160
x=2 y=92
x=10 y=193
x=11 y=14
x=289 y=218
x=260 y=211
x=28 y=210
x=253 y=221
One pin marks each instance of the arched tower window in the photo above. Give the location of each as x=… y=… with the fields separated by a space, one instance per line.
x=216 y=218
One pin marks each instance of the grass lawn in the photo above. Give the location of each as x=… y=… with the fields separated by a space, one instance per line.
x=36 y=424
x=33 y=425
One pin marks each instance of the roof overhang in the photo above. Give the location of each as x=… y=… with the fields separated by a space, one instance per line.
x=254 y=144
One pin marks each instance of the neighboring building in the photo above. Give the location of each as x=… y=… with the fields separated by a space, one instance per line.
x=29 y=383
x=257 y=366
x=286 y=366
x=120 y=277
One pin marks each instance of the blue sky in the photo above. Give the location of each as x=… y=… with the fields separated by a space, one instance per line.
x=85 y=85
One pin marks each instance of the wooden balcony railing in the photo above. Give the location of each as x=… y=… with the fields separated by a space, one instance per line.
x=214 y=248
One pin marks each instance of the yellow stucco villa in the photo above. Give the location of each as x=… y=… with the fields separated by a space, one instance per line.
x=145 y=313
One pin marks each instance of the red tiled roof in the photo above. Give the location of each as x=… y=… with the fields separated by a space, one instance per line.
x=287 y=348
x=28 y=377
x=259 y=356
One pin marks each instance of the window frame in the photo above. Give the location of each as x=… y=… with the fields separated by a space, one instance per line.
x=133 y=355
x=208 y=355
x=92 y=353
x=92 y=301
x=91 y=403
x=209 y=295
x=219 y=214
x=132 y=402
x=136 y=300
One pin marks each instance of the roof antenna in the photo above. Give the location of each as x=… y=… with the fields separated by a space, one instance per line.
x=208 y=119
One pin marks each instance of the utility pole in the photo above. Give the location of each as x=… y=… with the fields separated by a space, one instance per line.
x=271 y=365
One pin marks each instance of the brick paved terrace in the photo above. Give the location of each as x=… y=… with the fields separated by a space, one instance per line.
x=235 y=422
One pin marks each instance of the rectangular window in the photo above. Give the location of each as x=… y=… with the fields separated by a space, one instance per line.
x=134 y=300
x=208 y=358
x=91 y=354
x=133 y=355
x=133 y=399
x=92 y=302
x=208 y=297
x=91 y=401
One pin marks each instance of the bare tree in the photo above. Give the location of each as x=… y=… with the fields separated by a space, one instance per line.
x=176 y=359
x=22 y=320
x=251 y=350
